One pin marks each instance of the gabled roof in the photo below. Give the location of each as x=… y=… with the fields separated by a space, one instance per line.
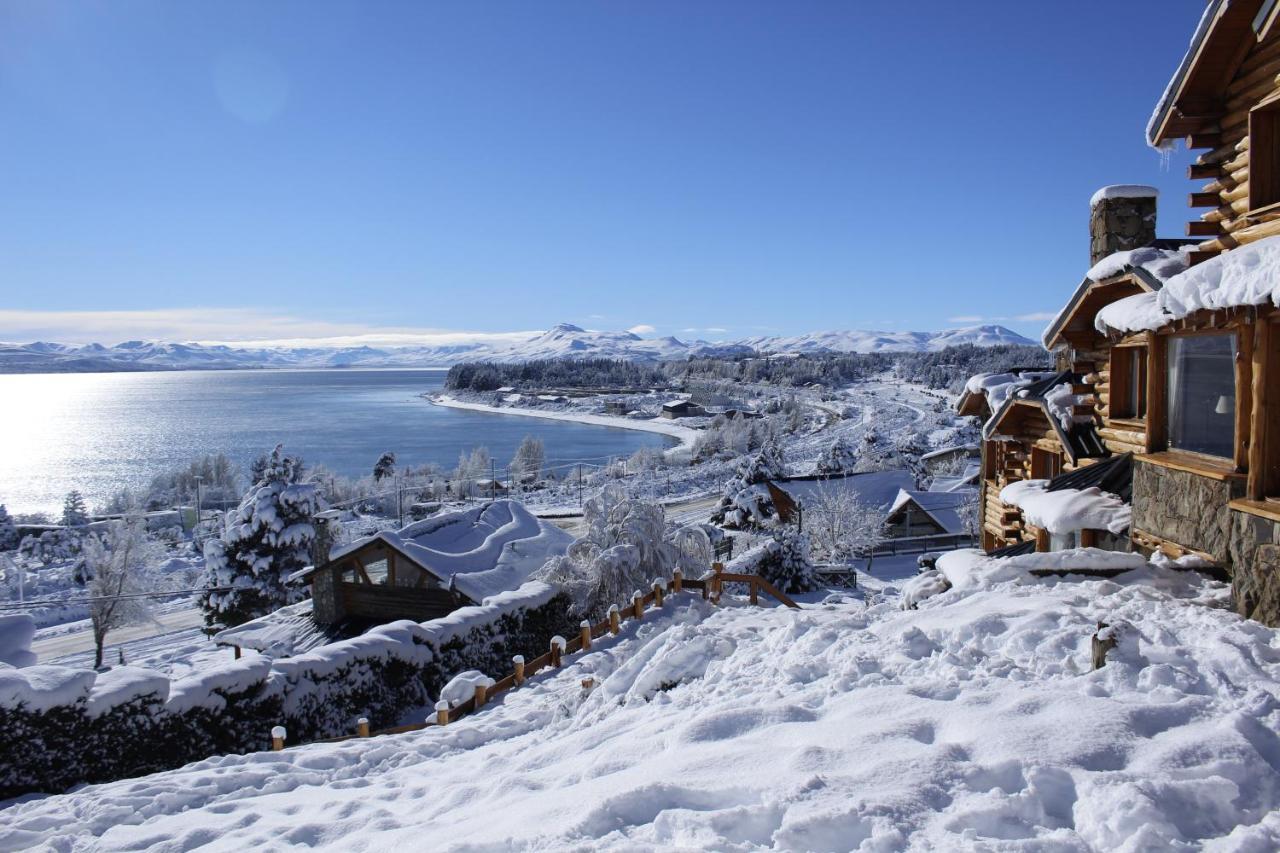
x=1080 y=440
x=1194 y=96
x=943 y=507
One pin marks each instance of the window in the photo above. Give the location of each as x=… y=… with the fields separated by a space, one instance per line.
x=1045 y=464
x=1129 y=382
x=1202 y=394
x=1264 y=155
x=377 y=570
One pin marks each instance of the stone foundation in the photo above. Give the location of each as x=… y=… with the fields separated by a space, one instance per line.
x=1255 y=567
x=1184 y=508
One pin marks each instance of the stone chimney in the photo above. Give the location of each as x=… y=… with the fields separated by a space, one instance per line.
x=1121 y=217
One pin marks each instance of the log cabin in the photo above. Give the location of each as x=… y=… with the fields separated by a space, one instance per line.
x=1175 y=350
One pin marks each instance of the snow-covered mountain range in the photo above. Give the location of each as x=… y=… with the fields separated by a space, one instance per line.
x=562 y=341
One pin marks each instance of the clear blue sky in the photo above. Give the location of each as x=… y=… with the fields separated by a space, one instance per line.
x=297 y=169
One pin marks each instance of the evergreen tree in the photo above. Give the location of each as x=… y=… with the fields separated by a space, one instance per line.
x=267 y=539
x=384 y=467
x=786 y=563
x=8 y=531
x=74 y=511
x=839 y=458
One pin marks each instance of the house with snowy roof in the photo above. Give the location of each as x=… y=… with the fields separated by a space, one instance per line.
x=1172 y=351
x=915 y=514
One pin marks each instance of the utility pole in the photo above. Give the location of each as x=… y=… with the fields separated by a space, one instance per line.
x=195 y=531
x=493 y=479
x=579 y=485
x=399 y=502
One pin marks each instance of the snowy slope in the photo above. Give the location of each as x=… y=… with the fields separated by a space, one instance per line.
x=972 y=723
x=562 y=341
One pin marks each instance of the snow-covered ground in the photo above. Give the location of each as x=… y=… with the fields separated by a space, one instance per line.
x=974 y=722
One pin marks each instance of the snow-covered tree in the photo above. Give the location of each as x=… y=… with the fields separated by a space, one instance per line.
x=119 y=564
x=477 y=466
x=527 y=464
x=743 y=502
x=838 y=458
x=74 y=511
x=839 y=526
x=623 y=550
x=384 y=467
x=267 y=539
x=52 y=546
x=786 y=563
x=8 y=531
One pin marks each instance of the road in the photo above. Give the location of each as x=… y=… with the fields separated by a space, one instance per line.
x=78 y=641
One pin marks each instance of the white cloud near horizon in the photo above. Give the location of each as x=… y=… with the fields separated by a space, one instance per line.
x=234 y=326
x=642 y=329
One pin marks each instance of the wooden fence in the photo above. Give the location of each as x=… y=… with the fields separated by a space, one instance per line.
x=710 y=586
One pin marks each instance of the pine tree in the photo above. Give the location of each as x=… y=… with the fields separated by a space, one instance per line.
x=839 y=458
x=267 y=539
x=8 y=531
x=74 y=511
x=384 y=467
x=787 y=564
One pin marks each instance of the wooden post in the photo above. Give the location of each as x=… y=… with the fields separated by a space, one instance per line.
x=615 y=622
x=657 y=593
x=1244 y=395
x=588 y=683
x=442 y=713
x=584 y=631
x=362 y=727
x=637 y=604
x=1103 y=641
x=1257 y=485
x=277 y=738
x=237 y=648
x=482 y=695
x=755 y=593
x=677 y=581
x=718 y=584
x=557 y=646
x=518 y=660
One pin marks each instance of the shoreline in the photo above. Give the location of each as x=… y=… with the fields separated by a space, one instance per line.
x=684 y=435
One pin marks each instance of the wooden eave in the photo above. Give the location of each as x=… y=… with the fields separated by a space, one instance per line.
x=1075 y=325
x=973 y=405
x=1201 y=82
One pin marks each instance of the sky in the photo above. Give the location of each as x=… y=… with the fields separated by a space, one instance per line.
x=421 y=171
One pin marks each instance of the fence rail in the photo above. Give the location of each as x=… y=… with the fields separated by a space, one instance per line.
x=711 y=586
x=921 y=544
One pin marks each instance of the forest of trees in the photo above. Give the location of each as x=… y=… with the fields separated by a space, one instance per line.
x=945 y=369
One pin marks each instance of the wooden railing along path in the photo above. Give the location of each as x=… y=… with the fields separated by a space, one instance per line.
x=711 y=586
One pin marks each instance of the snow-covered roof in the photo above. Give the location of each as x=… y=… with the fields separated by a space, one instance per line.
x=481 y=551
x=1155 y=123
x=1067 y=510
x=1054 y=395
x=876 y=489
x=945 y=451
x=1123 y=191
x=999 y=387
x=288 y=631
x=1249 y=275
x=971 y=474
x=942 y=507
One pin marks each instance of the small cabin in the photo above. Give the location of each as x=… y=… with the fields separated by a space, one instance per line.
x=916 y=514
x=682 y=409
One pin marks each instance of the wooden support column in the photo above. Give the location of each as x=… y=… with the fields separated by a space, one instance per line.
x=657 y=593
x=615 y=620
x=557 y=649
x=1244 y=394
x=518 y=662
x=677 y=581
x=278 y=735
x=1257 y=482
x=362 y=727
x=482 y=695
x=637 y=604
x=442 y=713
x=1157 y=417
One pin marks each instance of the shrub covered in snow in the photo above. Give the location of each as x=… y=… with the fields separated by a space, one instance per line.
x=267 y=539
x=624 y=549
x=8 y=532
x=838 y=458
x=744 y=501
x=785 y=562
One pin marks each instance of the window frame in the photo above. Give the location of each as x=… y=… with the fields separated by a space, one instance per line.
x=1165 y=442
x=1264 y=174
x=1130 y=367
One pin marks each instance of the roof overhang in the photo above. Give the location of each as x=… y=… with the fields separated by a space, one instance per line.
x=1194 y=97
x=1090 y=297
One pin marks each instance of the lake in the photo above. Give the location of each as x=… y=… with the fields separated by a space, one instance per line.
x=100 y=432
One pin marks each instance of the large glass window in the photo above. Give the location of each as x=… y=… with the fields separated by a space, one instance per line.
x=1202 y=394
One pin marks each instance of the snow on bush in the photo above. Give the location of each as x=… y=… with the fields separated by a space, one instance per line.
x=16 y=632
x=744 y=501
x=8 y=532
x=61 y=726
x=785 y=562
x=1068 y=510
x=838 y=458
x=624 y=548
x=922 y=586
x=267 y=539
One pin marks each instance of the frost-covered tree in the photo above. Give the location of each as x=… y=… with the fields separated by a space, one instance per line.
x=623 y=550
x=477 y=466
x=8 y=531
x=74 y=511
x=838 y=458
x=267 y=539
x=839 y=526
x=744 y=502
x=786 y=563
x=119 y=564
x=384 y=467
x=527 y=464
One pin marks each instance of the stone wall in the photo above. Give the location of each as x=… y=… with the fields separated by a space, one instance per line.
x=1255 y=561
x=1120 y=224
x=1184 y=508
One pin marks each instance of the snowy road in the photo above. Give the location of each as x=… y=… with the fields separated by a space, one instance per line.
x=81 y=641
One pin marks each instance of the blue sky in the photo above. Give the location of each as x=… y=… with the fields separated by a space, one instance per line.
x=289 y=170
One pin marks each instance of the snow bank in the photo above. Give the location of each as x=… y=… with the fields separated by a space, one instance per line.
x=1066 y=510
x=463 y=686
x=971 y=569
x=1248 y=275
x=1123 y=191
x=38 y=689
x=16 y=633
x=207 y=688
x=974 y=722
x=122 y=684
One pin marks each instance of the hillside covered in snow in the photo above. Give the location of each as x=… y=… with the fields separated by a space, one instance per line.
x=562 y=341
x=973 y=722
